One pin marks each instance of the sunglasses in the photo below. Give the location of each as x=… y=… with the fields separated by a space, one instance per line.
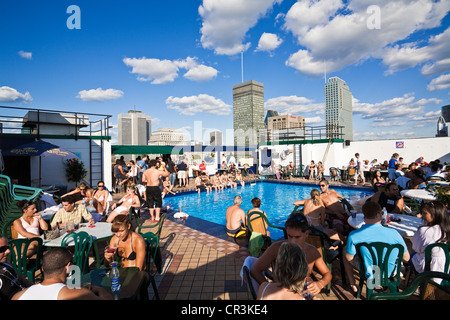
x=3 y=248
x=322 y=185
x=102 y=186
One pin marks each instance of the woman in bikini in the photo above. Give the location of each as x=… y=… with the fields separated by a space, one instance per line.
x=82 y=193
x=122 y=207
x=378 y=180
x=314 y=211
x=101 y=197
x=129 y=245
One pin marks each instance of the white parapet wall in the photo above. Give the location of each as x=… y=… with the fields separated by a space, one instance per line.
x=340 y=154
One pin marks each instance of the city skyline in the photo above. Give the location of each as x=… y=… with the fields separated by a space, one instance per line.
x=177 y=61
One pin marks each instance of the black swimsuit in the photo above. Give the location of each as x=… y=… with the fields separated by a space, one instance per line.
x=132 y=255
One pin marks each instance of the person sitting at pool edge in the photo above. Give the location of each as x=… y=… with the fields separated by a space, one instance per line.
x=235 y=216
x=389 y=199
x=258 y=225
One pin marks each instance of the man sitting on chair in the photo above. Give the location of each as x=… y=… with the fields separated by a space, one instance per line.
x=371 y=231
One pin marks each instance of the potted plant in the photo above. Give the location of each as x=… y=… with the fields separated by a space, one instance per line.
x=75 y=170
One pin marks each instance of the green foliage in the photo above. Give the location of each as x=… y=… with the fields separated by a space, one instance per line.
x=75 y=170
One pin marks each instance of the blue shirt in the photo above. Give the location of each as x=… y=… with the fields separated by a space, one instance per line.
x=374 y=233
x=142 y=164
x=392 y=163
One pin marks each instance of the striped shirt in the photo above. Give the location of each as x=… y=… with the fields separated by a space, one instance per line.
x=79 y=212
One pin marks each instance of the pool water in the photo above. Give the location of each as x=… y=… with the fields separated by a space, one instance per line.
x=276 y=200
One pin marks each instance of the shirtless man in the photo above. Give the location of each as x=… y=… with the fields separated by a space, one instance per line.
x=236 y=219
x=153 y=192
x=330 y=199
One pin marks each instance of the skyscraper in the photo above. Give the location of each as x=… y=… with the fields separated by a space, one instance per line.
x=338 y=109
x=248 y=112
x=134 y=128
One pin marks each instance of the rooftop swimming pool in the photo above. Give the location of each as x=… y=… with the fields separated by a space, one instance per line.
x=276 y=200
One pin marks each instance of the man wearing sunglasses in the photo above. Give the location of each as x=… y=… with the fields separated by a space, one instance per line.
x=10 y=281
x=333 y=207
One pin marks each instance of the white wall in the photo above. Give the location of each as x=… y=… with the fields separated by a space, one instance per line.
x=53 y=168
x=339 y=155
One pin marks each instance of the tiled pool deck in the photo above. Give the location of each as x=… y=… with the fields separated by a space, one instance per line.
x=201 y=263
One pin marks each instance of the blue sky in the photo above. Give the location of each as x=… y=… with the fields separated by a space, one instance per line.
x=177 y=61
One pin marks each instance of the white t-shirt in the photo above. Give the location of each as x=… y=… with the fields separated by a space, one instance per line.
x=423 y=237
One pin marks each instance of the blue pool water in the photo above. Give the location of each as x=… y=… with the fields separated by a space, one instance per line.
x=276 y=200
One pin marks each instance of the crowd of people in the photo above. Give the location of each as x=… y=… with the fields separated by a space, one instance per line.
x=291 y=260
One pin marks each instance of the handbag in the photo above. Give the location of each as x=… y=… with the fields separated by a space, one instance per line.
x=51 y=234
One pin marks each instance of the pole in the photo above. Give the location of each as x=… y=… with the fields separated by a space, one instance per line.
x=40 y=177
x=242 y=66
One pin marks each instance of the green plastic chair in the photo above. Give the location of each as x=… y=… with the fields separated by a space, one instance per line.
x=323 y=243
x=82 y=242
x=257 y=245
x=248 y=279
x=158 y=225
x=429 y=290
x=380 y=253
x=151 y=249
x=18 y=257
x=21 y=192
x=446 y=248
x=413 y=204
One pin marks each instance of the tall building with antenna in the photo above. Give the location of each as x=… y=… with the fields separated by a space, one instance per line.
x=338 y=109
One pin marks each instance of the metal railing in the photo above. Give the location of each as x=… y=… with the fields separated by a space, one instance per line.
x=38 y=122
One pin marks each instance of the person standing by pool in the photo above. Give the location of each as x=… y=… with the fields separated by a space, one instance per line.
x=391 y=168
x=153 y=192
x=235 y=216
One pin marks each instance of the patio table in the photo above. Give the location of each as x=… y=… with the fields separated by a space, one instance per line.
x=406 y=227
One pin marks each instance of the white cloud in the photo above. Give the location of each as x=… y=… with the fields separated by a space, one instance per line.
x=201 y=103
x=440 y=83
x=99 y=94
x=293 y=105
x=166 y=71
x=434 y=56
x=201 y=73
x=8 y=94
x=154 y=70
x=268 y=42
x=25 y=55
x=313 y=120
x=398 y=108
x=225 y=23
x=335 y=33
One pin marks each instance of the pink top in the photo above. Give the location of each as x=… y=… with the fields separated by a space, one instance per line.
x=31 y=228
